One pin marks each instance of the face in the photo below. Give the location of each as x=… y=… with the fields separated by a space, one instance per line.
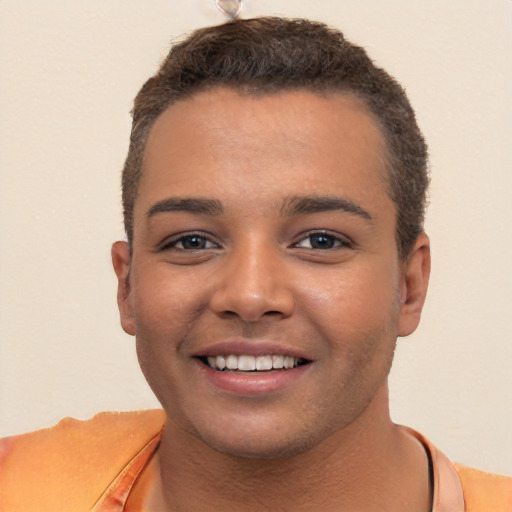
x=264 y=287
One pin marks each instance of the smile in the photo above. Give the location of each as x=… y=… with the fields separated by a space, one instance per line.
x=248 y=363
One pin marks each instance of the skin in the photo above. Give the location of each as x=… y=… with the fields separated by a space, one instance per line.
x=269 y=268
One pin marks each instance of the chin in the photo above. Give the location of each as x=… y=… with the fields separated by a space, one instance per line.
x=260 y=443
x=261 y=451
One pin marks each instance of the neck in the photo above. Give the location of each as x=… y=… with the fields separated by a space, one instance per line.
x=370 y=465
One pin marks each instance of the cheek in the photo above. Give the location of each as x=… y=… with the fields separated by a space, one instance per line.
x=161 y=323
x=352 y=300
x=163 y=304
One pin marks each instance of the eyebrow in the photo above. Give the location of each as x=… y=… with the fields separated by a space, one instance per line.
x=304 y=205
x=292 y=206
x=196 y=206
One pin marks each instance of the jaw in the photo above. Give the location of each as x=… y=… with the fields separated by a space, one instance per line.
x=258 y=428
x=262 y=415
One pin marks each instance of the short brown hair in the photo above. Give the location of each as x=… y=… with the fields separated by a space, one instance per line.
x=270 y=54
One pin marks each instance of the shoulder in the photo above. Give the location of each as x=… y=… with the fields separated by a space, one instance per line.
x=485 y=491
x=68 y=466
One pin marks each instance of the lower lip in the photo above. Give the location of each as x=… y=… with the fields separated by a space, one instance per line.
x=254 y=383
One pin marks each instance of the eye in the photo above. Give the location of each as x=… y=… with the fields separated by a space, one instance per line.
x=322 y=240
x=191 y=242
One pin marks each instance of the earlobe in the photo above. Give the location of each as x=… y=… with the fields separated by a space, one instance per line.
x=414 y=285
x=121 y=260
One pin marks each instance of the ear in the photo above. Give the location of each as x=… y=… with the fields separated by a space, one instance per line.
x=413 y=285
x=121 y=259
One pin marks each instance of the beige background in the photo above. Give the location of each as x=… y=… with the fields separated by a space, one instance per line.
x=69 y=71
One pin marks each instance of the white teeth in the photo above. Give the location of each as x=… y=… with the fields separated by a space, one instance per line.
x=277 y=362
x=232 y=363
x=217 y=362
x=246 y=363
x=263 y=363
x=288 y=362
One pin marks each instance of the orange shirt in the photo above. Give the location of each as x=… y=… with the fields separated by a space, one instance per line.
x=106 y=464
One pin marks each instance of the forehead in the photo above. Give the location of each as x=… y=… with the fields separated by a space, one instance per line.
x=263 y=146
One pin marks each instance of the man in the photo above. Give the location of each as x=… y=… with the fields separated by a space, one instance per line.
x=274 y=196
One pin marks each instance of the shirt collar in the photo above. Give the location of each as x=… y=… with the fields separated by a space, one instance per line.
x=448 y=494
x=447 y=489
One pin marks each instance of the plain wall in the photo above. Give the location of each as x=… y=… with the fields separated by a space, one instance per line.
x=68 y=74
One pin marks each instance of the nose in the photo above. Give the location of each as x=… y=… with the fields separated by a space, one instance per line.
x=252 y=285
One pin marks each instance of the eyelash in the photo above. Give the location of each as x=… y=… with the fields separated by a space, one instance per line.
x=175 y=240
x=338 y=241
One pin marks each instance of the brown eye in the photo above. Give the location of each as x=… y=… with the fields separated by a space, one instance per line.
x=192 y=242
x=321 y=241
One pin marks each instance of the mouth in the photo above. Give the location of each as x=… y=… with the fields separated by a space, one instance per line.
x=251 y=364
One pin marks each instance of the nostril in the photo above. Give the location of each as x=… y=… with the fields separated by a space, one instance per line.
x=250 y=318
x=251 y=300
x=229 y=314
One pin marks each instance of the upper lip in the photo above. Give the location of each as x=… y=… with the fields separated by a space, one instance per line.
x=240 y=347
